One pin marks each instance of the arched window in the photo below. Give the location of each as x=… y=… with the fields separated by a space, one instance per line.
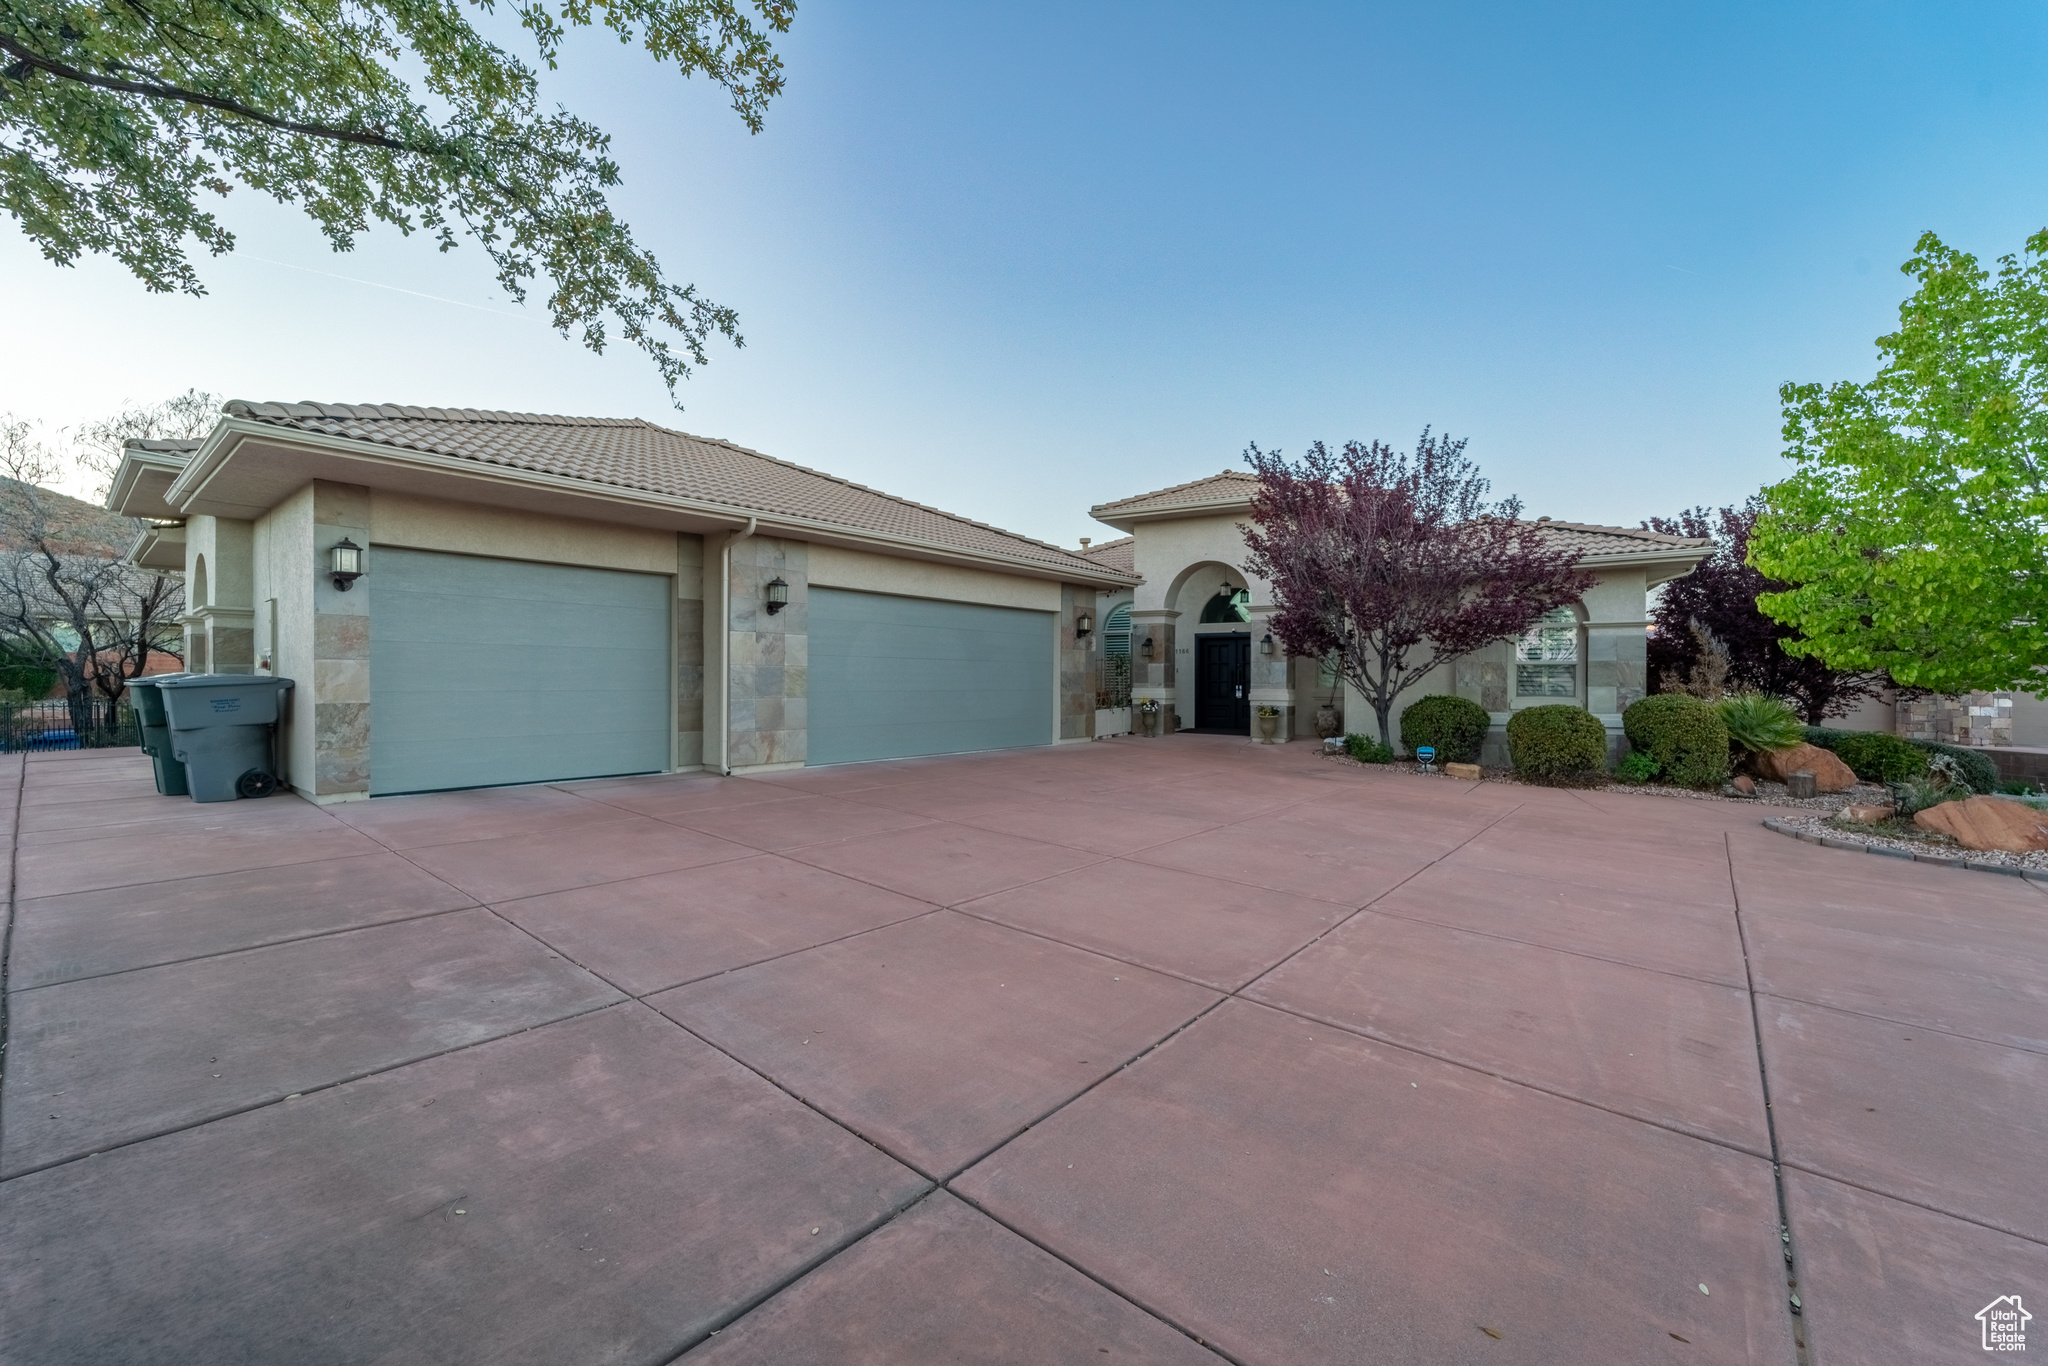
x=1547 y=656
x=198 y=581
x=1116 y=632
x=1227 y=606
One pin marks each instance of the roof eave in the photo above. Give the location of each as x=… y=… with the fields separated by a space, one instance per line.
x=1108 y=514
x=222 y=445
x=126 y=494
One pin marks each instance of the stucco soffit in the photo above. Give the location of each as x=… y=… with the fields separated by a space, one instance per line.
x=140 y=484
x=160 y=548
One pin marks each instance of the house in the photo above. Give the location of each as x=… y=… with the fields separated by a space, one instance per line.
x=544 y=598
x=1201 y=648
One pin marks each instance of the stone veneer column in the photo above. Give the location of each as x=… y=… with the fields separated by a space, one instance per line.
x=339 y=700
x=1153 y=677
x=689 y=614
x=1271 y=685
x=768 y=656
x=1077 y=665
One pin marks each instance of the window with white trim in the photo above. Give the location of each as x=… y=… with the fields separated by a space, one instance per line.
x=1547 y=656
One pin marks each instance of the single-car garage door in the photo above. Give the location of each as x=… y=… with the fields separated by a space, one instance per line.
x=892 y=677
x=499 y=671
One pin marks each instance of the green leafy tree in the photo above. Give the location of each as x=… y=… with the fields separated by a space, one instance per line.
x=1913 y=533
x=117 y=121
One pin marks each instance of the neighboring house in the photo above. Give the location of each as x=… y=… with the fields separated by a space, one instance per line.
x=1201 y=647
x=560 y=597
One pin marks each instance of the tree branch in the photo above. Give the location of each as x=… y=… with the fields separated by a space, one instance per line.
x=161 y=91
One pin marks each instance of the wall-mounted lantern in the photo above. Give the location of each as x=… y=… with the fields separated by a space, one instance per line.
x=1266 y=644
x=1083 y=624
x=776 y=594
x=1147 y=647
x=345 y=564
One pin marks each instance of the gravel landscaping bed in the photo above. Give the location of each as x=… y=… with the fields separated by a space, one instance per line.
x=1767 y=793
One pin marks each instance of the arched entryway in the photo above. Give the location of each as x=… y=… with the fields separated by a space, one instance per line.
x=1216 y=601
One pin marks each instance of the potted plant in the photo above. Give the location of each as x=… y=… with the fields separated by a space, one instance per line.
x=1148 y=713
x=1269 y=723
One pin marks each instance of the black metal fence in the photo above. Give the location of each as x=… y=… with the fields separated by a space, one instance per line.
x=92 y=724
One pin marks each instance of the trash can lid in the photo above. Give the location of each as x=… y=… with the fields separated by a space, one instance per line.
x=220 y=681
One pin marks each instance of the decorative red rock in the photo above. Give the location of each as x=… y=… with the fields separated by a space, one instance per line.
x=1830 y=774
x=1988 y=823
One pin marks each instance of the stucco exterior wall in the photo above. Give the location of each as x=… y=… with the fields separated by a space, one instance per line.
x=219 y=621
x=284 y=579
x=832 y=567
x=414 y=523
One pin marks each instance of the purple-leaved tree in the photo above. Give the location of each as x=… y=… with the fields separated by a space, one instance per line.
x=1391 y=565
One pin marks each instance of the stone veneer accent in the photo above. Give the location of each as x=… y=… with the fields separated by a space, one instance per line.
x=1976 y=719
x=689 y=619
x=1152 y=677
x=768 y=656
x=1617 y=667
x=341 y=646
x=1077 y=666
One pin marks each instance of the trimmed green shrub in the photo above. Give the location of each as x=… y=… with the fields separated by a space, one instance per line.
x=1367 y=750
x=1978 y=770
x=1637 y=767
x=1557 y=744
x=1455 y=725
x=1824 y=737
x=1879 y=757
x=1685 y=735
x=1759 y=722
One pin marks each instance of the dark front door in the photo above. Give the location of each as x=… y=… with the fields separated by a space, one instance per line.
x=1223 y=683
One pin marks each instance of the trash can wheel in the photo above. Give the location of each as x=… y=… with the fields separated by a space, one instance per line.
x=256 y=783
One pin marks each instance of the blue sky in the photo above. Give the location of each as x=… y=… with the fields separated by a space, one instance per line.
x=1014 y=260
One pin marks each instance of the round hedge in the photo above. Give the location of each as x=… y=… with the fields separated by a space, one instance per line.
x=1880 y=758
x=1456 y=726
x=1685 y=735
x=1557 y=744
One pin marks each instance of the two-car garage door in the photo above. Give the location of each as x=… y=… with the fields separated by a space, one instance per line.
x=488 y=672
x=499 y=671
x=892 y=677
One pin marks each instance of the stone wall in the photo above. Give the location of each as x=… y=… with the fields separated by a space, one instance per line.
x=768 y=654
x=689 y=625
x=1153 y=677
x=340 y=693
x=1976 y=719
x=1077 y=665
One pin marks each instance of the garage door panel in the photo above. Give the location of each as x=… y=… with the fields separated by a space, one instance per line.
x=891 y=677
x=486 y=672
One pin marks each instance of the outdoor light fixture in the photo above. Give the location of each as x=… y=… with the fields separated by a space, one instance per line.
x=1083 y=624
x=777 y=595
x=1148 y=647
x=1266 y=644
x=345 y=563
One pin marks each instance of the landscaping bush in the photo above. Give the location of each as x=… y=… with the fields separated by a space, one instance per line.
x=1978 y=770
x=1824 y=737
x=1558 y=744
x=1455 y=725
x=1637 y=767
x=1880 y=758
x=1367 y=750
x=1759 y=722
x=1685 y=735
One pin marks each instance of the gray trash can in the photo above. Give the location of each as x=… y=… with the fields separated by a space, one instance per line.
x=223 y=730
x=156 y=733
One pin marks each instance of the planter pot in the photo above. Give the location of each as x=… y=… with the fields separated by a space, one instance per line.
x=1150 y=719
x=1269 y=726
x=1328 y=723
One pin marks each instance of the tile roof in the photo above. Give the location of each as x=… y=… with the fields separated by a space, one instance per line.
x=1120 y=554
x=1229 y=486
x=634 y=454
x=1238 y=486
x=165 y=446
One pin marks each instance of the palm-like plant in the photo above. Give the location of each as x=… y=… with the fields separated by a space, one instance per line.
x=1759 y=722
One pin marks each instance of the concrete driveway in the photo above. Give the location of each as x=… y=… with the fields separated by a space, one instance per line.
x=1177 y=1051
